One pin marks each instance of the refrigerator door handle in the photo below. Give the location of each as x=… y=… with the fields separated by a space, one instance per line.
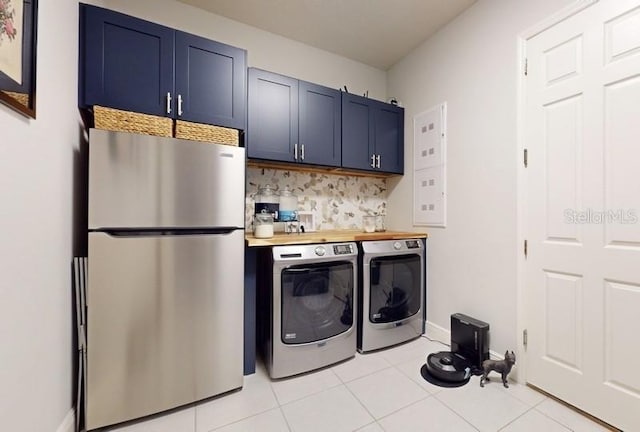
x=158 y=232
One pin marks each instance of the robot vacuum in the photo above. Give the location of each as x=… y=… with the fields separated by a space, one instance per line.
x=446 y=369
x=469 y=348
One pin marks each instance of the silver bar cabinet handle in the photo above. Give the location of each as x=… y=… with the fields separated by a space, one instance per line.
x=179 y=104
x=378 y=161
x=295 y=151
x=373 y=161
x=168 y=102
x=302 y=151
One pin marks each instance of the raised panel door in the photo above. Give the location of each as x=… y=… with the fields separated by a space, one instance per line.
x=357 y=132
x=389 y=137
x=583 y=195
x=125 y=62
x=272 y=132
x=210 y=81
x=319 y=125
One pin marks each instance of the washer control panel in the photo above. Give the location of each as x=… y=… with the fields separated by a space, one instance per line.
x=343 y=249
x=412 y=244
x=323 y=252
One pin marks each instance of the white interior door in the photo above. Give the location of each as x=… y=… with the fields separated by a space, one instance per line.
x=582 y=279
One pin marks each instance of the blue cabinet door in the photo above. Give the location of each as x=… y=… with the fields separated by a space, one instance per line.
x=389 y=137
x=125 y=62
x=372 y=135
x=357 y=132
x=210 y=79
x=320 y=121
x=272 y=132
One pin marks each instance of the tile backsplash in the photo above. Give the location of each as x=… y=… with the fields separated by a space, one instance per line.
x=336 y=201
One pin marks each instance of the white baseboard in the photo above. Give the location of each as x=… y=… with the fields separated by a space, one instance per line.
x=69 y=422
x=437 y=333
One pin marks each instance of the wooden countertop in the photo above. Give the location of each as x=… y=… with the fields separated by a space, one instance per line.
x=329 y=237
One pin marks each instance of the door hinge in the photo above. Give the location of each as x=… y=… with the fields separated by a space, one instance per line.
x=524 y=337
x=526 y=67
x=526 y=249
x=526 y=158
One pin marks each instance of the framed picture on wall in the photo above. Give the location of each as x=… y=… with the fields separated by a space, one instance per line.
x=18 y=26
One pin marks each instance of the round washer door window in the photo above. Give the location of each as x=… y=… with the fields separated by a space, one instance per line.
x=395 y=286
x=317 y=301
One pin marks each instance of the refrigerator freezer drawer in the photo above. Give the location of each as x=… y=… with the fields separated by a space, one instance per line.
x=140 y=181
x=164 y=321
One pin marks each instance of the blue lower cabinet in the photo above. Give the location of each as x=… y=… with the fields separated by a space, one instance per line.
x=250 y=271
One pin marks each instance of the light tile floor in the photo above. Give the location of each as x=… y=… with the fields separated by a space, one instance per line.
x=381 y=391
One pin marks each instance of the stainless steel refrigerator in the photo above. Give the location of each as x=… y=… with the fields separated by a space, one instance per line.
x=165 y=274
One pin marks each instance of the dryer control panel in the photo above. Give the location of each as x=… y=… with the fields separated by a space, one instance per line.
x=412 y=244
x=342 y=249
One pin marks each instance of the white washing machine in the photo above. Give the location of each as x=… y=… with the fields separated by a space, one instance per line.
x=391 y=290
x=311 y=322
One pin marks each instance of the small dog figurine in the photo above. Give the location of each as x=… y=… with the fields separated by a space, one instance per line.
x=502 y=366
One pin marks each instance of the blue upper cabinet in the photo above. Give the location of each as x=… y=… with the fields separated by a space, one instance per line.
x=272 y=131
x=389 y=137
x=125 y=62
x=320 y=123
x=357 y=132
x=292 y=121
x=210 y=81
x=135 y=65
x=372 y=135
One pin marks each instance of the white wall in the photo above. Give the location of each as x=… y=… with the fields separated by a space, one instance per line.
x=471 y=64
x=265 y=50
x=40 y=187
x=36 y=223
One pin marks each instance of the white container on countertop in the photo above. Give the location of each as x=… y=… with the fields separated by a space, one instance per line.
x=263 y=225
x=288 y=206
x=369 y=224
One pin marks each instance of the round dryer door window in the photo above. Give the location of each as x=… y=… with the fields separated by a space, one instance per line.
x=317 y=301
x=394 y=288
